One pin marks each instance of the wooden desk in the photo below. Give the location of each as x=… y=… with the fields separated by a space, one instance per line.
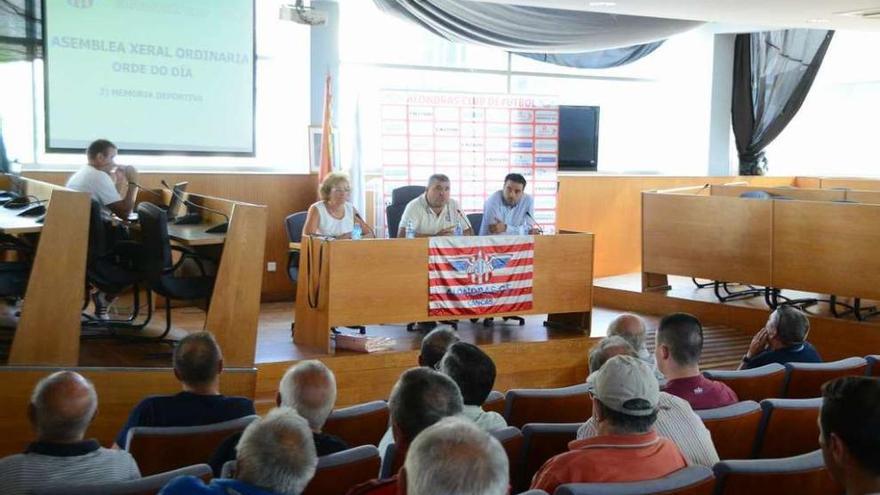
x=195 y=235
x=374 y=281
x=11 y=223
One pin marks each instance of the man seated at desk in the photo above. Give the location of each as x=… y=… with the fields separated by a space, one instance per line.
x=509 y=210
x=434 y=213
x=110 y=184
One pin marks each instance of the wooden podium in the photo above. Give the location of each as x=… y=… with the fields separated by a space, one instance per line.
x=375 y=281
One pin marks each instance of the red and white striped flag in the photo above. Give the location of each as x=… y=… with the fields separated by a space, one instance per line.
x=479 y=275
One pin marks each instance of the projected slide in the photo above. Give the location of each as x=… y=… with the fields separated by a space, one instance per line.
x=150 y=75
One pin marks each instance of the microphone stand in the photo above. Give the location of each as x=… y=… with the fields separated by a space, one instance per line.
x=535 y=222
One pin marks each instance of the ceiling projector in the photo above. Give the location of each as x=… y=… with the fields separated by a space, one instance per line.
x=301 y=14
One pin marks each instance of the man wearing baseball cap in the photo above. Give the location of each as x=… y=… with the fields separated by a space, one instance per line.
x=625 y=396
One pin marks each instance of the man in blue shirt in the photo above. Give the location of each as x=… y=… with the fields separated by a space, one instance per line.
x=507 y=210
x=782 y=340
x=197 y=364
x=276 y=456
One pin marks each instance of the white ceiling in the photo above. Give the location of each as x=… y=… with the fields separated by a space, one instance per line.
x=769 y=13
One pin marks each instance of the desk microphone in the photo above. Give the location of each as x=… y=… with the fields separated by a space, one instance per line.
x=358 y=216
x=535 y=222
x=217 y=229
x=146 y=189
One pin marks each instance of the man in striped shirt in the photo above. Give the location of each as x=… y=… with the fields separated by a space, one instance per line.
x=62 y=408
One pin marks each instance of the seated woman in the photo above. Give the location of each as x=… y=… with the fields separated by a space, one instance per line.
x=334 y=216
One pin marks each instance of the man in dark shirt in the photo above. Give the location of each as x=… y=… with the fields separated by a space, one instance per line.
x=782 y=340
x=678 y=349
x=309 y=387
x=197 y=365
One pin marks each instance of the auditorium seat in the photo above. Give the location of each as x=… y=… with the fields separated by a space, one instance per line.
x=804 y=380
x=801 y=475
x=160 y=449
x=788 y=427
x=550 y=405
x=693 y=480
x=338 y=472
x=512 y=441
x=873 y=365
x=541 y=441
x=495 y=402
x=757 y=384
x=733 y=428
x=148 y=485
x=362 y=424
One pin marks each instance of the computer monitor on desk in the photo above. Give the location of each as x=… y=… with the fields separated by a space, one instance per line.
x=176 y=200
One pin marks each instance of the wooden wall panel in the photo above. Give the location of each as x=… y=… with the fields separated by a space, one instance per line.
x=610 y=207
x=282 y=194
x=118 y=391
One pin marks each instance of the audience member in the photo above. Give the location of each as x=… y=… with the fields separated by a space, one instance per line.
x=676 y=419
x=474 y=373
x=678 y=348
x=434 y=346
x=455 y=456
x=197 y=365
x=625 y=400
x=633 y=329
x=62 y=407
x=309 y=388
x=420 y=398
x=276 y=455
x=113 y=185
x=849 y=433
x=782 y=340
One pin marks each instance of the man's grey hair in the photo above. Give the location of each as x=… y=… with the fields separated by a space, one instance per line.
x=435 y=345
x=437 y=178
x=64 y=404
x=456 y=456
x=631 y=327
x=309 y=387
x=792 y=326
x=608 y=348
x=420 y=398
x=277 y=453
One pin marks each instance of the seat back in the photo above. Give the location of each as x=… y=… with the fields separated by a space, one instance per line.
x=494 y=402
x=541 y=441
x=156 y=250
x=788 y=428
x=97 y=234
x=693 y=480
x=393 y=213
x=159 y=449
x=405 y=194
x=756 y=384
x=512 y=441
x=475 y=219
x=804 y=380
x=338 y=472
x=801 y=475
x=363 y=424
x=552 y=405
x=148 y=485
x=733 y=428
x=294 y=224
x=873 y=364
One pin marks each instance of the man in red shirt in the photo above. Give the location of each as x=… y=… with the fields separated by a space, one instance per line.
x=625 y=396
x=420 y=398
x=678 y=349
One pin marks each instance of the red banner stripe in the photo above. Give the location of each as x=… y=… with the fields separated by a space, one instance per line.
x=466 y=279
x=503 y=308
x=447 y=267
x=457 y=251
x=524 y=291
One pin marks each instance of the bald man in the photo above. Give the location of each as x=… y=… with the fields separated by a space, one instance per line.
x=633 y=329
x=62 y=407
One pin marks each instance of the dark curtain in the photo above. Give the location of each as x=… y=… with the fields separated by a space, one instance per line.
x=772 y=75
x=602 y=59
x=21 y=30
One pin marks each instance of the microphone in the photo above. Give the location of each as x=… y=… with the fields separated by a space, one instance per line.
x=535 y=222
x=358 y=216
x=220 y=228
x=146 y=189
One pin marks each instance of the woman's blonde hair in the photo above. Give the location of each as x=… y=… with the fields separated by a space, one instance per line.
x=330 y=182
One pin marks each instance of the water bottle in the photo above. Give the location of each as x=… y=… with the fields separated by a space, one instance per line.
x=357 y=232
x=523 y=229
x=410 y=230
x=458 y=230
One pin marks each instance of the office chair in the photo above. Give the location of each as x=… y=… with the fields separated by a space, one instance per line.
x=294 y=224
x=14 y=274
x=476 y=220
x=400 y=197
x=158 y=267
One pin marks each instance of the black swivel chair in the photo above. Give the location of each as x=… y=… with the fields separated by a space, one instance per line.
x=158 y=267
x=400 y=197
x=476 y=220
x=294 y=224
x=14 y=274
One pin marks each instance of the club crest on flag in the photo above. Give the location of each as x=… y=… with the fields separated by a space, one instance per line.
x=479 y=275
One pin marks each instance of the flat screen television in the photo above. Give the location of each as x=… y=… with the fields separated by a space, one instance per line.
x=578 y=138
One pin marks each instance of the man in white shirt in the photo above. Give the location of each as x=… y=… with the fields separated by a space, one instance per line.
x=434 y=213
x=105 y=180
x=474 y=373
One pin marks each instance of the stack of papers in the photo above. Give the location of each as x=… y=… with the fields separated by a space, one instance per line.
x=363 y=343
